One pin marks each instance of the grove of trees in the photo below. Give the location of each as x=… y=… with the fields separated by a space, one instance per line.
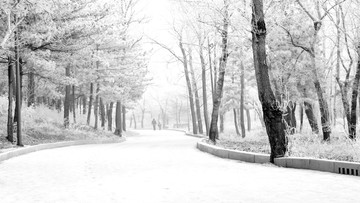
x=72 y=55
x=300 y=56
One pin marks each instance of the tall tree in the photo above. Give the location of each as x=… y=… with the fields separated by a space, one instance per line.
x=242 y=104
x=271 y=110
x=118 y=124
x=213 y=133
x=196 y=93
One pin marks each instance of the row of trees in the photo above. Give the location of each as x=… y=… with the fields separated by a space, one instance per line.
x=72 y=52
x=303 y=53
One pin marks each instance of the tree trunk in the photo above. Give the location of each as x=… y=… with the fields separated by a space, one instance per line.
x=203 y=78
x=109 y=115
x=301 y=117
x=324 y=110
x=211 y=70
x=67 y=100
x=124 y=118
x=222 y=115
x=118 y=124
x=96 y=106
x=338 y=59
x=248 y=119
x=73 y=103
x=102 y=113
x=84 y=104
x=271 y=110
x=31 y=89
x=197 y=100
x=18 y=85
x=58 y=105
x=235 y=123
x=90 y=103
x=213 y=134
x=290 y=117
x=354 y=95
x=215 y=72
x=131 y=121
x=11 y=81
x=134 y=120
x=311 y=117
x=242 y=90
x=188 y=83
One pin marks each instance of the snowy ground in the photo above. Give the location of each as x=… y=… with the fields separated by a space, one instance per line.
x=161 y=167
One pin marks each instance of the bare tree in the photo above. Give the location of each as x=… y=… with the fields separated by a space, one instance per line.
x=272 y=112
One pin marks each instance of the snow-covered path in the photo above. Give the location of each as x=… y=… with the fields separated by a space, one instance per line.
x=161 y=167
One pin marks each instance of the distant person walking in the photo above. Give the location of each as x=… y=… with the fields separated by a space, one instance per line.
x=159 y=125
x=154 y=123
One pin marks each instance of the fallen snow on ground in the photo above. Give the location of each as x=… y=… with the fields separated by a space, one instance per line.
x=161 y=166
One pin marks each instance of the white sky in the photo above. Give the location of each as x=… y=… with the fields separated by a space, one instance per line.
x=167 y=74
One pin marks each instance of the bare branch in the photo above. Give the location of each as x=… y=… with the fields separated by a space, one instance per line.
x=328 y=10
x=168 y=49
x=306 y=11
x=295 y=44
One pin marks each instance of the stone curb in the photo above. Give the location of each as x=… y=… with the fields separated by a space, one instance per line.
x=340 y=167
x=29 y=149
x=233 y=154
x=186 y=133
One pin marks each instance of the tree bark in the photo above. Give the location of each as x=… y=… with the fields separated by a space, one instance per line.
x=311 y=117
x=222 y=118
x=188 y=83
x=84 y=99
x=73 y=103
x=31 y=89
x=102 y=113
x=90 y=103
x=118 y=124
x=67 y=100
x=301 y=117
x=354 y=95
x=213 y=134
x=195 y=88
x=242 y=91
x=203 y=78
x=10 y=124
x=290 y=117
x=133 y=114
x=235 y=123
x=18 y=84
x=124 y=118
x=109 y=115
x=96 y=106
x=324 y=110
x=248 y=119
x=211 y=70
x=271 y=110
x=58 y=105
x=131 y=121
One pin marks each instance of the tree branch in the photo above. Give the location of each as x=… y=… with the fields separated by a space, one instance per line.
x=307 y=49
x=168 y=49
x=328 y=10
x=306 y=11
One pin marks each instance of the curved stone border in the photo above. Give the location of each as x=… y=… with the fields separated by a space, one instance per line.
x=233 y=154
x=28 y=149
x=186 y=133
x=341 y=167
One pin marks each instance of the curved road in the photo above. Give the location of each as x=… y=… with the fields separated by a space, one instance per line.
x=161 y=167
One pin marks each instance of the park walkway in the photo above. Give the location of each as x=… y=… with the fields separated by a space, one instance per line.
x=161 y=166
